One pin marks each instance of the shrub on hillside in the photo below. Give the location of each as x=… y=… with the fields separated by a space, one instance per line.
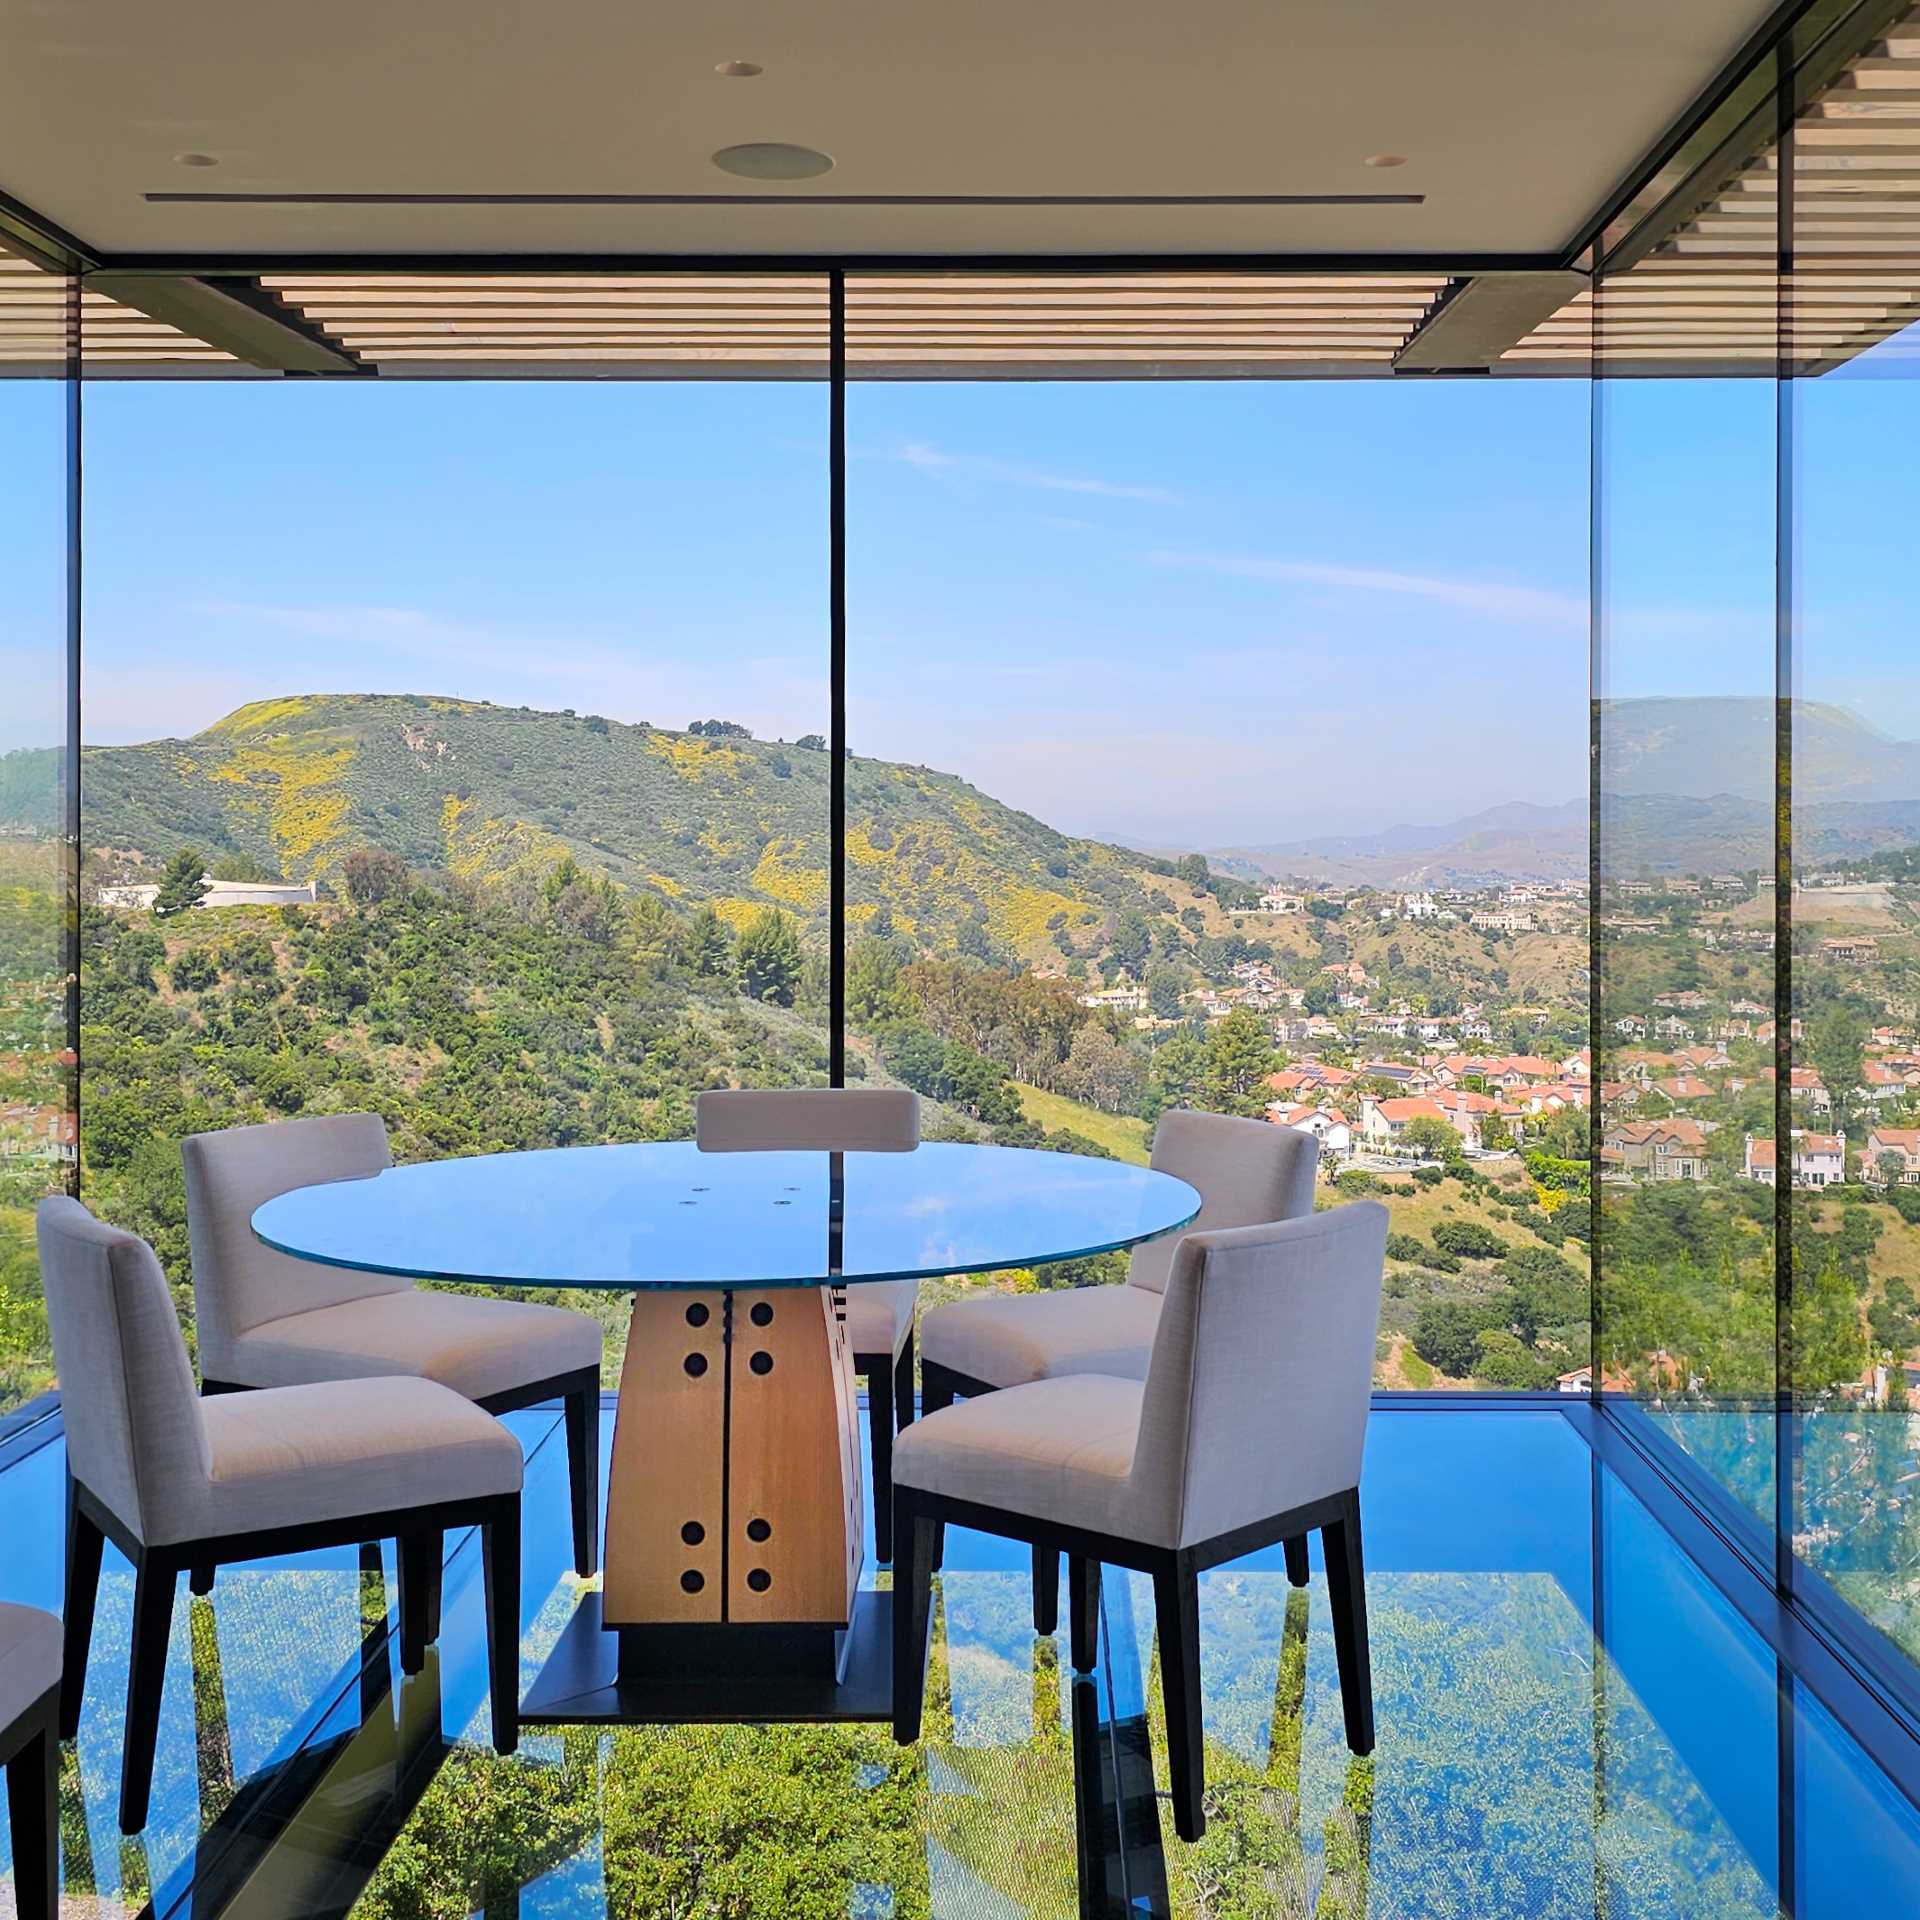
x=1469 y=1239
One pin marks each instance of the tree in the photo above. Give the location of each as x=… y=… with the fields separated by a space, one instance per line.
x=1502 y=1361
x=1837 y=1046
x=874 y=992
x=192 y=971
x=769 y=958
x=720 y=730
x=1447 y=1335
x=709 y=945
x=1192 y=868
x=1469 y=1239
x=183 y=884
x=372 y=874
x=811 y=743
x=1132 y=942
x=1240 y=1056
x=1164 y=993
x=1102 y=1072
x=243 y=866
x=1431 y=1139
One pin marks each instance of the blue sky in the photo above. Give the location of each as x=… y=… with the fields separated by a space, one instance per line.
x=1184 y=613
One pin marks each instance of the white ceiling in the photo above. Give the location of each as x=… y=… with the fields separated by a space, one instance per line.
x=1517 y=117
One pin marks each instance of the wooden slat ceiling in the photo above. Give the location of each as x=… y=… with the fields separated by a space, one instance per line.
x=1712 y=299
x=907 y=326
x=38 y=319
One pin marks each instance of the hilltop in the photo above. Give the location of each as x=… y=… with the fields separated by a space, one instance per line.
x=485 y=792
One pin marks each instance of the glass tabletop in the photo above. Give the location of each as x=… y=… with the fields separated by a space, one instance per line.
x=672 y=1216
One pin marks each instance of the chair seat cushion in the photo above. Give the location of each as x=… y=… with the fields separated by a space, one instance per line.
x=29 y=1659
x=880 y=1316
x=1059 y=1450
x=476 y=1346
x=1008 y=1339
x=293 y=1455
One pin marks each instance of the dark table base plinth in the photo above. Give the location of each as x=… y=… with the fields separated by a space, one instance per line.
x=676 y=1675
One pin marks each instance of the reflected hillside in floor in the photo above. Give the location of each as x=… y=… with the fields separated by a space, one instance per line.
x=1550 y=1745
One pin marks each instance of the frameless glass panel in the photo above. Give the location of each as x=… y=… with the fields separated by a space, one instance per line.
x=471 y=773
x=1684 y=966
x=36 y=1108
x=1148 y=678
x=1850 y=307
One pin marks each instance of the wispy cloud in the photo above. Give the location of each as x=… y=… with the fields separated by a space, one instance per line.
x=1498 y=600
x=930 y=459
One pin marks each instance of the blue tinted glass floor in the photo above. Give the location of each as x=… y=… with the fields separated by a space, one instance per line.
x=1550 y=1744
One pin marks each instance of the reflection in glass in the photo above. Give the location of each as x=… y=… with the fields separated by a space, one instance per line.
x=1853 y=422
x=1684 y=961
x=36 y=1111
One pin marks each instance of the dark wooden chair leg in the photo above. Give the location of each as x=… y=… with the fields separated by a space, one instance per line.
x=33 y=1808
x=912 y=1604
x=878 y=1368
x=936 y=1395
x=1347 y=1590
x=1176 y=1600
x=500 y=1559
x=1296 y=1550
x=417 y=1558
x=154 y=1579
x=1083 y=1611
x=1046 y=1589
x=903 y=1386
x=583 y=1476
x=936 y=1389
x=85 y=1542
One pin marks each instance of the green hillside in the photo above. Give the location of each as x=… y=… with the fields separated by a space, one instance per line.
x=484 y=792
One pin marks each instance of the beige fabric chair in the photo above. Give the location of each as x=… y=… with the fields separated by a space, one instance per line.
x=879 y=1313
x=1246 y=1171
x=30 y=1753
x=1249 y=1427
x=176 y=1481
x=266 y=1319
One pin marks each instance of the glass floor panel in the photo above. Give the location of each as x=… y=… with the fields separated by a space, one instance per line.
x=1572 y=1722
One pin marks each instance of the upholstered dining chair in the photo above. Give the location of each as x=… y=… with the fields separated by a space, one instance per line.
x=1249 y=1428
x=177 y=1481
x=266 y=1319
x=880 y=1313
x=30 y=1752
x=1246 y=1171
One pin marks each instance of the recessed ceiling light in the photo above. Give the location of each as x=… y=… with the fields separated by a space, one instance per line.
x=771 y=160
x=195 y=160
x=740 y=69
x=1385 y=160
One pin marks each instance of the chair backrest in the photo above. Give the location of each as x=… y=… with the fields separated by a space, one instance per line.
x=135 y=1438
x=1247 y=1171
x=1257 y=1394
x=239 y=1283
x=807 y=1119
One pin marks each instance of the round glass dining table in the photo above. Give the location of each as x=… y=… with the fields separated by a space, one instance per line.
x=736 y=1509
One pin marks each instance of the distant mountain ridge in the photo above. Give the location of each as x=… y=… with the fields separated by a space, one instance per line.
x=487 y=792
x=1517 y=840
x=1687 y=787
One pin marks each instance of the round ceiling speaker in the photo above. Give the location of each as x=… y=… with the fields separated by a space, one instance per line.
x=772 y=160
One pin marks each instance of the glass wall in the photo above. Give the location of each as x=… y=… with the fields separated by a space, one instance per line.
x=1220 y=743
x=1853 y=447
x=473 y=774
x=37 y=378
x=1684 y=676
x=1760 y=1227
